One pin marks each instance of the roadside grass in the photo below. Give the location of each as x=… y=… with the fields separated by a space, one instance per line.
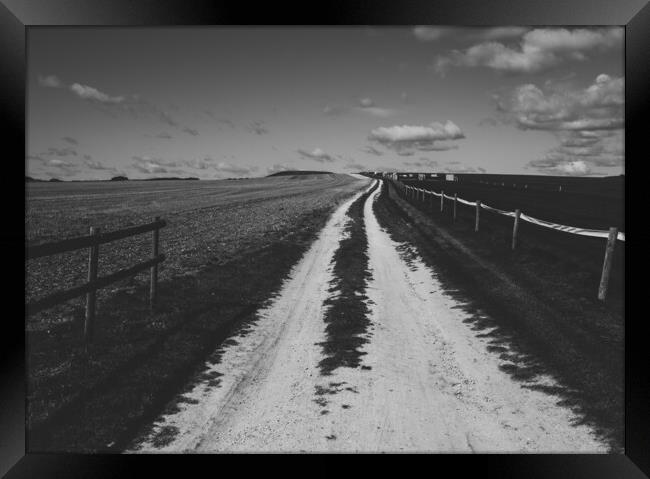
x=347 y=315
x=537 y=306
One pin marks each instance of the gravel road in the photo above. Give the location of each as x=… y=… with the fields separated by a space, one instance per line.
x=427 y=382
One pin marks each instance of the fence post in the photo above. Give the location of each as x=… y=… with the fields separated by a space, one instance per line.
x=91 y=296
x=455 y=203
x=442 y=200
x=607 y=264
x=515 y=229
x=153 y=286
x=478 y=210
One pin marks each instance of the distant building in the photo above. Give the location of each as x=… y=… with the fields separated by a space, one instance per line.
x=451 y=177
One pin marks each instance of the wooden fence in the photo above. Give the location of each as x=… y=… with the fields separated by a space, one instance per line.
x=92 y=241
x=416 y=194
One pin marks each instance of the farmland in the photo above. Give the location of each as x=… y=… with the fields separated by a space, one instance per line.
x=208 y=222
x=220 y=236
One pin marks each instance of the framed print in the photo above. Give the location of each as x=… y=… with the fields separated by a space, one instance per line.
x=356 y=229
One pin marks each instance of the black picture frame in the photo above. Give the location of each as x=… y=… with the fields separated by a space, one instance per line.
x=16 y=16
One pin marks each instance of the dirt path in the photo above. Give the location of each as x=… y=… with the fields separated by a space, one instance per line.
x=426 y=383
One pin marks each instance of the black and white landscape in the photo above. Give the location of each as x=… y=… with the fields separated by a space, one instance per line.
x=325 y=239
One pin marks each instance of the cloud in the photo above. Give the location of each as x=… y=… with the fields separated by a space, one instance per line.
x=377 y=111
x=558 y=165
x=96 y=165
x=334 y=110
x=539 y=50
x=147 y=164
x=202 y=164
x=258 y=128
x=422 y=163
x=317 y=155
x=588 y=123
x=598 y=107
x=191 y=131
x=67 y=151
x=366 y=102
x=224 y=167
x=355 y=166
x=366 y=106
x=163 y=135
x=210 y=114
x=489 y=121
x=70 y=140
x=60 y=163
x=50 y=81
x=133 y=105
x=458 y=167
x=402 y=138
x=372 y=150
x=430 y=34
x=277 y=167
x=38 y=158
x=86 y=92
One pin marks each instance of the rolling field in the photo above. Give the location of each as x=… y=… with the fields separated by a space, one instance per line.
x=592 y=203
x=229 y=244
x=207 y=222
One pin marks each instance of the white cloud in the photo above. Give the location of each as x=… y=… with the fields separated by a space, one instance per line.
x=539 y=49
x=276 y=168
x=372 y=150
x=597 y=107
x=588 y=123
x=89 y=93
x=378 y=112
x=224 y=167
x=366 y=102
x=51 y=81
x=434 y=131
x=430 y=34
x=317 y=155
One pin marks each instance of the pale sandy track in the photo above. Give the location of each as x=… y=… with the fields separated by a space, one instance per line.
x=432 y=386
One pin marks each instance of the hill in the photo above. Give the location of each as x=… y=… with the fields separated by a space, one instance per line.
x=299 y=172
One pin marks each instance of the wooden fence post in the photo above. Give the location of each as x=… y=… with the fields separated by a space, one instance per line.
x=515 y=229
x=442 y=200
x=607 y=264
x=153 y=285
x=91 y=296
x=455 y=203
x=478 y=210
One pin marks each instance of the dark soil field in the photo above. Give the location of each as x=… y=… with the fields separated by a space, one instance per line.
x=229 y=245
x=581 y=257
x=542 y=298
x=592 y=203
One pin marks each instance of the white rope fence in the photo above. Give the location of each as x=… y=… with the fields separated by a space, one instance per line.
x=612 y=234
x=529 y=219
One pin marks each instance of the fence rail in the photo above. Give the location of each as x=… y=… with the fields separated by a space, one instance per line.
x=412 y=192
x=92 y=241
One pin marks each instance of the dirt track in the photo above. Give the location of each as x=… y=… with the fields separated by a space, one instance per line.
x=426 y=382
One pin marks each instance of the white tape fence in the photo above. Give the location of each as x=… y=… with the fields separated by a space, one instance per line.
x=529 y=219
x=612 y=234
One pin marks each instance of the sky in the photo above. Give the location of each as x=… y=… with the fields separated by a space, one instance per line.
x=217 y=102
